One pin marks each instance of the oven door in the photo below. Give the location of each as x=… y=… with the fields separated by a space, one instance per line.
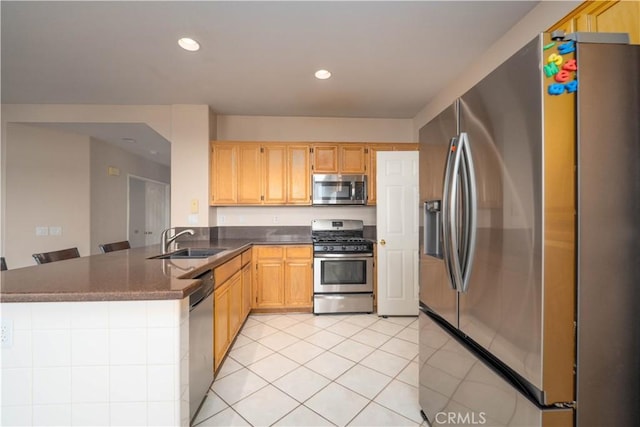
x=340 y=273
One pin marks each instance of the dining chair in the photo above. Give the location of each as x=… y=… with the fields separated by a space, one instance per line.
x=115 y=246
x=46 y=257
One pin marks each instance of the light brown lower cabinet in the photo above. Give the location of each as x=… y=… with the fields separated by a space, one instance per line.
x=283 y=280
x=284 y=277
x=221 y=339
x=247 y=282
x=232 y=299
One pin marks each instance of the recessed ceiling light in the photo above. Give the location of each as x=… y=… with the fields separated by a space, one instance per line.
x=323 y=74
x=129 y=140
x=189 y=44
x=154 y=152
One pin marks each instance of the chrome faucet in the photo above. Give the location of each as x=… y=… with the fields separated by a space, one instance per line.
x=165 y=240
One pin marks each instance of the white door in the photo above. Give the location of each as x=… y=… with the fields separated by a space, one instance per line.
x=155 y=211
x=148 y=211
x=397 y=232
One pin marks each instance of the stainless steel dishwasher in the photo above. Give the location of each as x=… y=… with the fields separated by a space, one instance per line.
x=200 y=342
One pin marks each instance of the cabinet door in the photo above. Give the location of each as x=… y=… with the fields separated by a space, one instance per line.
x=235 y=304
x=223 y=174
x=274 y=174
x=615 y=17
x=405 y=147
x=298 y=286
x=269 y=280
x=353 y=159
x=249 y=174
x=298 y=175
x=269 y=283
x=604 y=16
x=246 y=289
x=220 y=323
x=373 y=170
x=325 y=159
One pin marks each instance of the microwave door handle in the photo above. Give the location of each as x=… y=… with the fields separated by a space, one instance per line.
x=353 y=190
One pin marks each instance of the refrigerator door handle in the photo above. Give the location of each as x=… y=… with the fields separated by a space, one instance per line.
x=471 y=204
x=450 y=215
x=446 y=216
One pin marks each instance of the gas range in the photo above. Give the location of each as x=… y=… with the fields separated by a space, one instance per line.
x=339 y=236
x=342 y=267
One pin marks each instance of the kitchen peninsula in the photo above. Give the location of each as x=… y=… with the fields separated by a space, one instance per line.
x=104 y=339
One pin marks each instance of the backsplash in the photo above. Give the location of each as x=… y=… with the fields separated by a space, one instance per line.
x=272 y=233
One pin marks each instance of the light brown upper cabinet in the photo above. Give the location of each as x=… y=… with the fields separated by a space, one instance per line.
x=275 y=174
x=353 y=159
x=298 y=174
x=372 y=192
x=339 y=158
x=325 y=158
x=235 y=174
x=244 y=173
x=604 y=16
x=371 y=179
x=279 y=173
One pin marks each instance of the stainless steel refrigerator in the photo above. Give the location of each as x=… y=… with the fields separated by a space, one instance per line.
x=530 y=242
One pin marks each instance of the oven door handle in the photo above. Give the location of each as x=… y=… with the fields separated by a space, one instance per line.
x=359 y=255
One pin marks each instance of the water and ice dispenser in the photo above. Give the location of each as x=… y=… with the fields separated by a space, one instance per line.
x=433 y=228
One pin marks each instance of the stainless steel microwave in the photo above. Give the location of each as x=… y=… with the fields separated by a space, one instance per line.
x=339 y=189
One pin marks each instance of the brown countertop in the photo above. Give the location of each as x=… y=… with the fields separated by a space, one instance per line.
x=121 y=275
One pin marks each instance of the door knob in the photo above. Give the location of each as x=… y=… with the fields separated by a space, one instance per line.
x=382 y=242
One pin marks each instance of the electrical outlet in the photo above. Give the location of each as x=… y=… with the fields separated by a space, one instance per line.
x=55 y=231
x=222 y=219
x=6 y=333
x=275 y=219
x=42 y=231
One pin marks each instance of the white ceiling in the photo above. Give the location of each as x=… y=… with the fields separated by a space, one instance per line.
x=388 y=58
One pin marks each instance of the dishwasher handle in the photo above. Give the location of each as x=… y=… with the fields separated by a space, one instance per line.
x=205 y=289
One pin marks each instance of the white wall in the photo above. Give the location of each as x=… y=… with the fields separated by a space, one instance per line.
x=109 y=201
x=266 y=128
x=543 y=16
x=47 y=185
x=190 y=137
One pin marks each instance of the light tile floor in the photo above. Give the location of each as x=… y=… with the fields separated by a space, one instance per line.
x=306 y=370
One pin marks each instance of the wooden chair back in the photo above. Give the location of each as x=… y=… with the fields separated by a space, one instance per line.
x=46 y=257
x=115 y=246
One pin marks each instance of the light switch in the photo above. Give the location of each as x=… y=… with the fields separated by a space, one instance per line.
x=194 y=206
x=42 y=231
x=113 y=171
x=55 y=231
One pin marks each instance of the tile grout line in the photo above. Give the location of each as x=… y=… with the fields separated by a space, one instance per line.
x=324 y=351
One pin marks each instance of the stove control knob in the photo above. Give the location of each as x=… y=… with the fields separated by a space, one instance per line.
x=331 y=248
x=324 y=248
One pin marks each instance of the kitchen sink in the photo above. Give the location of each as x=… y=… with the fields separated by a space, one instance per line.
x=187 y=253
